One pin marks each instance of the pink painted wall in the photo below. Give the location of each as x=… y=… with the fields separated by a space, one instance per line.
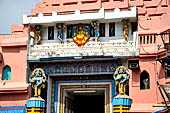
x=149 y=95
x=14 y=52
x=14 y=92
x=16 y=99
x=15 y=57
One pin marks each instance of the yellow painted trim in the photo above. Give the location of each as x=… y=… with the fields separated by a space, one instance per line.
x=120 y=110
x=160 y=105
x=32 y=110
x=122 y=107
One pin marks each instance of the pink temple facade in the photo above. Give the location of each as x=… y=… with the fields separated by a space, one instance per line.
x=14 y=92
x=152 y=17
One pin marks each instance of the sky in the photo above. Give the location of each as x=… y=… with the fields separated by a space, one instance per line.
x=11 y=12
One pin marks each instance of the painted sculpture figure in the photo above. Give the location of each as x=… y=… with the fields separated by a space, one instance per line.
x=37 y=80
x=81 y=38
x=61 y=28
x=74 y=30
x=95 y=25
x=121 y=77
x=87 y=29
x=126 y=23
x=38 y=30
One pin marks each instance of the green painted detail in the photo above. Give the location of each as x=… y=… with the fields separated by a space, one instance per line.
x=6 y=73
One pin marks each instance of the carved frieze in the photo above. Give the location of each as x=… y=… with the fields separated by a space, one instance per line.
x=91 y=49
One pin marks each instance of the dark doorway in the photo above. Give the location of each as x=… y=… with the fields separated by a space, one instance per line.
x=89 y=103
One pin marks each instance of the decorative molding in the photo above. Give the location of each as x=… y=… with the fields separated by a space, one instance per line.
x=114 y=49
x=101 y=14
x=117 y=13
x=78 y=68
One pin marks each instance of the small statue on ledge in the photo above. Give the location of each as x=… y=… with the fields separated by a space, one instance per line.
x=121 y=77
x=32 y=36
x=38 y=30
x=95 y=25
x=126 y=23
x=37 y=80
x=60 y=32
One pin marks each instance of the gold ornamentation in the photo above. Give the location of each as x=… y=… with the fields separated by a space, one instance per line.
x=126 y=23
x=37 y=80
x=121 y=77
x=81 y=38
x=38 y=30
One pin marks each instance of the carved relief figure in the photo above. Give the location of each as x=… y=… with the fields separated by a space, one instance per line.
x=87 y=30
x=74 y=30
x=102 y=31
x=32 y=36
x=88 y=67
x=126 y=23
x=69 y=32
x=31 y=40
x=37 y=80
x=81 y=38
x=146 y=83
x=111 y=29
x=38 y=30
x=95 y=25
x=121 y=77
x=61 y=28
x=58 y=68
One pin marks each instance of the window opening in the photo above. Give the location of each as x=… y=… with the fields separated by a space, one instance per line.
x=111 y=29
x=144 y=80
x=6 y=73
x=51 y=33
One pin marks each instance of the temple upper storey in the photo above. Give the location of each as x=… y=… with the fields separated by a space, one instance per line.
x=96 y=33
x=62 y=28
x=153 y=15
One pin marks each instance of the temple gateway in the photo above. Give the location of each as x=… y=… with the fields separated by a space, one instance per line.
x=79 y=56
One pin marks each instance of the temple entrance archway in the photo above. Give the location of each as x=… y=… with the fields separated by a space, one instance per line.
x=85 y=101
x=87 y=96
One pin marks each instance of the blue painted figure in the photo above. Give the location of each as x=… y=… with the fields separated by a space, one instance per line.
x=121 y=77
x=111 y=31
x=95 y=25
x=74 y=30
x=87 y=30
x=60 y=32
x=37 y=80
x=96 y=30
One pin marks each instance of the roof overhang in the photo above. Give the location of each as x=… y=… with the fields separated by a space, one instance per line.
x=78 y=16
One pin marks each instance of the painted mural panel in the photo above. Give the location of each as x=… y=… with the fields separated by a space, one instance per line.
x=12 y=109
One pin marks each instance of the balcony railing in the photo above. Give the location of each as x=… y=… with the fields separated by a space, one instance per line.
x=113 y=48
